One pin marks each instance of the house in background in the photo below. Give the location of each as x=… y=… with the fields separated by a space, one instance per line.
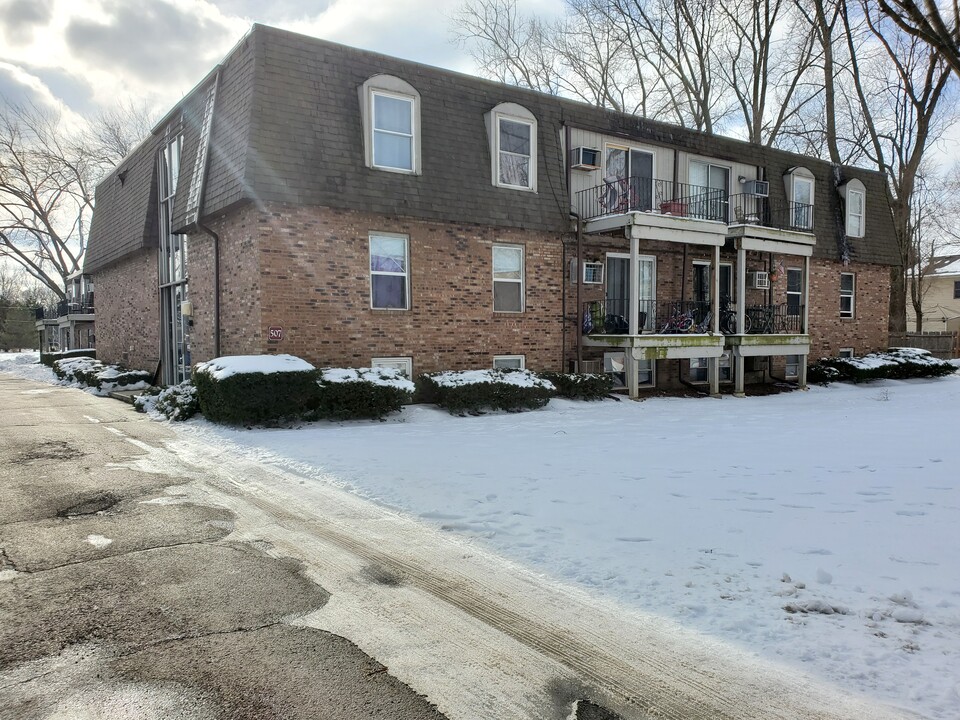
x=941 y=296
x=356 y=209
x=70 y=324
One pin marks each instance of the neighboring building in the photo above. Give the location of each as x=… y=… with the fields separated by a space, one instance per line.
x=70 y=324
x=941 y=296
x=356 y=209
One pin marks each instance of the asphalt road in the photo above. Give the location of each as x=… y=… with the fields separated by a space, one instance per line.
x=113 y=606
x=153 y=573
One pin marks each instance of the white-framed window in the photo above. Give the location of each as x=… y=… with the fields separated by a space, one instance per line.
x=509 y=362
x=800 y=193
x=855 y=201
x=855 y=206
x=512 y=130
x=393 y=120
x=508 y=278
x=615 y=365
x=848 y=288
x=845 y=353
x=403 y=364
x=389 y=277
x=700 y=368
x=391 y=124
x=792 y=368
x=794 y=292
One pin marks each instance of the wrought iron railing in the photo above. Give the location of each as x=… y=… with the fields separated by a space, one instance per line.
x=643 y=194
x=611 y=317
x=784 y=318
x=756 y=210
x=82 y=306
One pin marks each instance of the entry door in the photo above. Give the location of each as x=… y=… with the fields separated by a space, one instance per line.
x=618 y=287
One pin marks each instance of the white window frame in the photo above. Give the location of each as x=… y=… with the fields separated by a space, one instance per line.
x=794 y=177
x=403 y=364
x=794 y=360
x=798 y=293
x=859 y=216
x=412 y=136
x=609 y=358
x=406 y=274
x=510 y=358
x=852 y=294
x=521 y=281
x=515 y=113
x=845 y=352
x=389 y=86
x=700 y=369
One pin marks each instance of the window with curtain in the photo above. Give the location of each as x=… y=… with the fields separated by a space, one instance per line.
x=393 y=131
x=389 y=287
x=514 y=146
x=507 y=278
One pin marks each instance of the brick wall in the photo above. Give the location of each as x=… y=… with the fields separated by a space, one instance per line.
x=312 y=280
x=128 y=314
x=867 y=330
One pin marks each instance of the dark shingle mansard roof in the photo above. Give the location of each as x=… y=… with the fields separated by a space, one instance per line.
x=288 y=130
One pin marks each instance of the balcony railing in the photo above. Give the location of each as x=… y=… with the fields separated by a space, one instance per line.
x=643 y=194
x=785 y=318
x=755 y=210
x=611 y=317
x=83 y=306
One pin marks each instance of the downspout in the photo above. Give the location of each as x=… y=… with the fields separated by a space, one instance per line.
x=576 y=215
x=201 y=226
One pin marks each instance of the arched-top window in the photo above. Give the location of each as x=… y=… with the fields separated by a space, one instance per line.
x=799 y=185
x=512 y=131
x=854 y=207
x=391 y=124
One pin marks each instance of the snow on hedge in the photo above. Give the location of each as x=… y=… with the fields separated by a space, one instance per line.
x=894 y=356
x=384 y=377
x=520 y=378
x=229 y=365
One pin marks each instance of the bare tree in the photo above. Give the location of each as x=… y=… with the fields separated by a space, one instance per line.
x=929 y=24
x=905 y=108
x=48 y=174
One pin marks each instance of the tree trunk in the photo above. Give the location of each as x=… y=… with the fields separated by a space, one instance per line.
x=898 y=300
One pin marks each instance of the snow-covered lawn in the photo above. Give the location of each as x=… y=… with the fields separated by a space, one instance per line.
x=818 y=528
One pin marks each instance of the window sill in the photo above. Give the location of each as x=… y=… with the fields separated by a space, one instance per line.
x=518 y=188
x=397 y=171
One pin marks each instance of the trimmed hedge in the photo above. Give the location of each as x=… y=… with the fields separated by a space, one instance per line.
x=177 y=402
x=476 y=390
x=87 y=372
x=366 y=393
x=254 y=397
x=894 y=364
x=49 y=359
x=580 y=386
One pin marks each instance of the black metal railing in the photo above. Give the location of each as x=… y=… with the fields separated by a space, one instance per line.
x=784 y=318
x=755 y=210
x=46 y=313
x=643 y=194
x=612 y=317
x=81 y=306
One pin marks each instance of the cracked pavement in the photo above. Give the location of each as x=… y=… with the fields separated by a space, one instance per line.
x=115 y=603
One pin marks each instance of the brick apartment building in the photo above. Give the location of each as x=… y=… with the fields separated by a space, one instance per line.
x=356 y=209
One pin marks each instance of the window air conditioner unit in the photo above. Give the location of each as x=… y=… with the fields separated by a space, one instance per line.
x=758 y=188
x=760 y=281
x=584 y=158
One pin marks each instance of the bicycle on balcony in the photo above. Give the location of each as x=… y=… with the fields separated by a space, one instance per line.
x=679 y=322
x=728 y=319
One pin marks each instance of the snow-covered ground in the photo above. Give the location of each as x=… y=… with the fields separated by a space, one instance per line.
x=817 y=528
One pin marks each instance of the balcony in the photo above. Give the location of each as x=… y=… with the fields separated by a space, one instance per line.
x=79 y=306
x=764 y=225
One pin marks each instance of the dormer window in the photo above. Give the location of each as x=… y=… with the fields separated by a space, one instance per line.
x=855 y=202
x=512 y=130
x=391 y=124
x=799 y=184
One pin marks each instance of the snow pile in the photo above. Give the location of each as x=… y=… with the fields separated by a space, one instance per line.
x=520 y=378
x=384 y=377
x=26 y=365
x=229 y=365
x=895 y=356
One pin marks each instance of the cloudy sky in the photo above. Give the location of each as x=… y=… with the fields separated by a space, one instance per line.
x=88 y=54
